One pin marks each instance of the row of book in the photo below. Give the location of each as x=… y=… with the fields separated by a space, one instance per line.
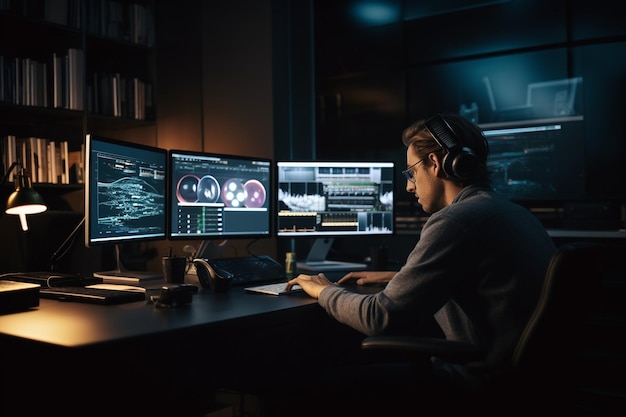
x=119 y=96
x=31 y=82
x=47 y=161
x=60 y=85
x=113 y=19
x=61 y=12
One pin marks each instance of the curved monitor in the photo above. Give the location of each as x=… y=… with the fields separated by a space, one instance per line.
x=219 y=196
x=125 y=191
x=329 y=199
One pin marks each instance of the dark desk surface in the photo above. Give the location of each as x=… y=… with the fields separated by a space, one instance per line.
x=71 y=324
x=220 y=340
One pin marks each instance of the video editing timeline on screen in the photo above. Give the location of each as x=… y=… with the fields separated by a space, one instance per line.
x=130 y=194
x=219 y=195
x=334 y=198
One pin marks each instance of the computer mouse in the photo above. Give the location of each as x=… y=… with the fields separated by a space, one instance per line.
x=217 y=280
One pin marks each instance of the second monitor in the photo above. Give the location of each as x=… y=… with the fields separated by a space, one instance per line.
x=219 y=196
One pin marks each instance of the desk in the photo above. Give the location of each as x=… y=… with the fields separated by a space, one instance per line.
x=587 y=234
x=161 y=361
x=79 y=325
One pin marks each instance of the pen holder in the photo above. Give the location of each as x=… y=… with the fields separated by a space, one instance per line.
x=174 y=268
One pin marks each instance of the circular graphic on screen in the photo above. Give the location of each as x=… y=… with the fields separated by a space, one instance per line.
x=186 y=189
x=256 y=194
x=233 y=193
x=208 y=189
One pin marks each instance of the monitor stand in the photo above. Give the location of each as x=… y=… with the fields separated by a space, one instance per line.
x=316 y=259
x=123 y=276
x=209 y=249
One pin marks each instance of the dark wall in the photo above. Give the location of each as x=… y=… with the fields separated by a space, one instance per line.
x=178 y=33
x=237 y=77
x=374 y=78
x=50 y=242
x=293 y=71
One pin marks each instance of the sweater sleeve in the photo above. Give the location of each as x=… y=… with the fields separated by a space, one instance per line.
x=412 y=296
x=363 y=312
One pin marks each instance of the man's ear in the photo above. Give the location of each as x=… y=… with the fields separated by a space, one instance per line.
x=436 y=163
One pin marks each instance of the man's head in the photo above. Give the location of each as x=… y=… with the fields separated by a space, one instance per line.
x=444 y=154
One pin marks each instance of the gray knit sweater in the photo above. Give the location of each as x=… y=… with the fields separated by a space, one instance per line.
x=477 y=268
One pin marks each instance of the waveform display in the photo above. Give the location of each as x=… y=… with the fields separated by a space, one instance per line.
x=126 y=205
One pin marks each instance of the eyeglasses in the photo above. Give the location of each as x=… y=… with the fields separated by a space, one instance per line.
x=408 y=173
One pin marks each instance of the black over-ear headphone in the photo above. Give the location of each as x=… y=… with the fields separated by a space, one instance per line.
x=460 y=161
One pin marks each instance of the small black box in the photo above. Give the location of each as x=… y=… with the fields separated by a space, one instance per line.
x=18 y=296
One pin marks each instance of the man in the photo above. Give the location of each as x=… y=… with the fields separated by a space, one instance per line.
x=478 y=266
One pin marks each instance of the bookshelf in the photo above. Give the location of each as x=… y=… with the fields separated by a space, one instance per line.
x=68 y=68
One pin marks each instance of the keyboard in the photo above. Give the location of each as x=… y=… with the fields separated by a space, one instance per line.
x=250 y=269
x=91 y=295
x=52 y=279
x=277 y=288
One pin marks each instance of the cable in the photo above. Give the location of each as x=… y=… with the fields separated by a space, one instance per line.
x=69 y=241
x=252 y=242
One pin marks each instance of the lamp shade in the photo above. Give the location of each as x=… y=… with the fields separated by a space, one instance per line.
x=24 y=200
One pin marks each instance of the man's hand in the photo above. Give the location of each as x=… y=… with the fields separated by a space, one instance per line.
x=311 y=284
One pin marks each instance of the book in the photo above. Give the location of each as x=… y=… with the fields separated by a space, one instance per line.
x=65 y=156
x=74 y=164
x=56 y=12
x=58 y=69
x=9 y=154
x=52 y=162
x=75 y=73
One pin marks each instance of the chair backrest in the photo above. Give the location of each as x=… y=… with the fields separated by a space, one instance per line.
x=571 y=279
x=573 y=340
x=571 y=357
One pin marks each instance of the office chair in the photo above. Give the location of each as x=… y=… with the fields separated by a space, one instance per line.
x=570 y=358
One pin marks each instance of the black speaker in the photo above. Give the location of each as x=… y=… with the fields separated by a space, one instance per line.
x=460 y=162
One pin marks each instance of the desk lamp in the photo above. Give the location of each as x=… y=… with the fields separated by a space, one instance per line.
x=24 y=200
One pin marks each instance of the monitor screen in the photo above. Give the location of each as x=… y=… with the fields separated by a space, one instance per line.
x=125 y=190
x=538 y=159
x=335 y=198
x=219 y=196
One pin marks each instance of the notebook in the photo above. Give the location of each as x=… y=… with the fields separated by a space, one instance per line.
x=92 y=295
x=52 y=279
